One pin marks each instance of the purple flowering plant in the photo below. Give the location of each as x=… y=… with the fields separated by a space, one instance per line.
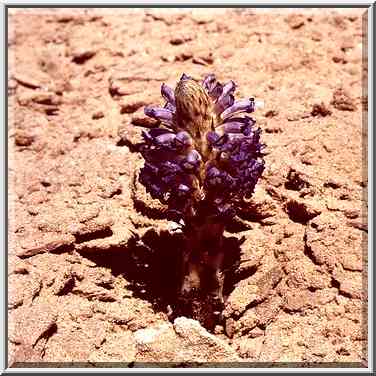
x=202 y=159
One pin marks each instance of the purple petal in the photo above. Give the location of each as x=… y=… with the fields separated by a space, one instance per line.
x=212 y=171
x=159 y=113
x=216 y=91
x=212 y=137
x=192 y=160
x=155 y=132
x=215 y=139
x=165 y=138
x=223 y=103
x=171 y=107
x=183 y=188
x=229 y=88
x=245 y=105
x=233 y=127
x=168 y=94
x=193 y=156
x=209 y=82
x=184 y=138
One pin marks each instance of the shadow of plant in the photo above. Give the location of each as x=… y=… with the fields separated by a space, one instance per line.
x=151 y=264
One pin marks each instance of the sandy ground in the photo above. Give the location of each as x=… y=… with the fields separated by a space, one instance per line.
x=92 y=260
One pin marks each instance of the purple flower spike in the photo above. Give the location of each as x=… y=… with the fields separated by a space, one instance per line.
x=245 y=105
x=159 y=113
x=168 y=94
x=203 y=161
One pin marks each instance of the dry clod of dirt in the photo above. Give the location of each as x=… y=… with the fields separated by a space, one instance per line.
x=45 y=243
x=295 y=21
x=31 y=327
x=141 y=120
x=131 y=103
x=184 y=341
x=320 y=109
x=342 y=100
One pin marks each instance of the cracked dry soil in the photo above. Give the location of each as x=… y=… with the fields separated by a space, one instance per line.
x=91 y=258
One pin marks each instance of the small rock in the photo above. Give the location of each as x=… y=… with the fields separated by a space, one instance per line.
x=27 y=80
x=242 y=296
x=23 y=138
x=177 y=40
x=120 y=313
x=64 y=282
x=168 y=58
x=25 y=354
x=267 y=311
x=347 y=43
x=256 y=332
x=352 y=213
x=301 y=211
x=80 y=54
x=195 y=336
x=183 y=56
x=119 y=81
x=295 y=21
x=161 y=15
x=39 y=97
x=297 y=179
x=298 y=300
x=93 y=292
x=273 y=129
x=320 y=109
x=97 y=115
x=141 y=120
x=316 y=35
x=86 y=213
x=202 y=16
x=352 y=287
x=185 y=341
x=203 y=60
x=260 y=207
x=339 y=58
x=89 y=230
x=131 y=103
x=230 y=327
x=271 y=113
x=248 y=321
x=30 y=324
x=248 y=349
x=359 y=224
x=52 y=243
x=144 y=337
x=20 y=267
x=269 y=280
x=342 y=101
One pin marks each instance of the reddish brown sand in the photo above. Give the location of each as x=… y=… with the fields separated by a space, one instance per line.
x=91 y=259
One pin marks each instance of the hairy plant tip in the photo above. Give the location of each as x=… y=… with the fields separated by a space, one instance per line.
x=205 y=156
